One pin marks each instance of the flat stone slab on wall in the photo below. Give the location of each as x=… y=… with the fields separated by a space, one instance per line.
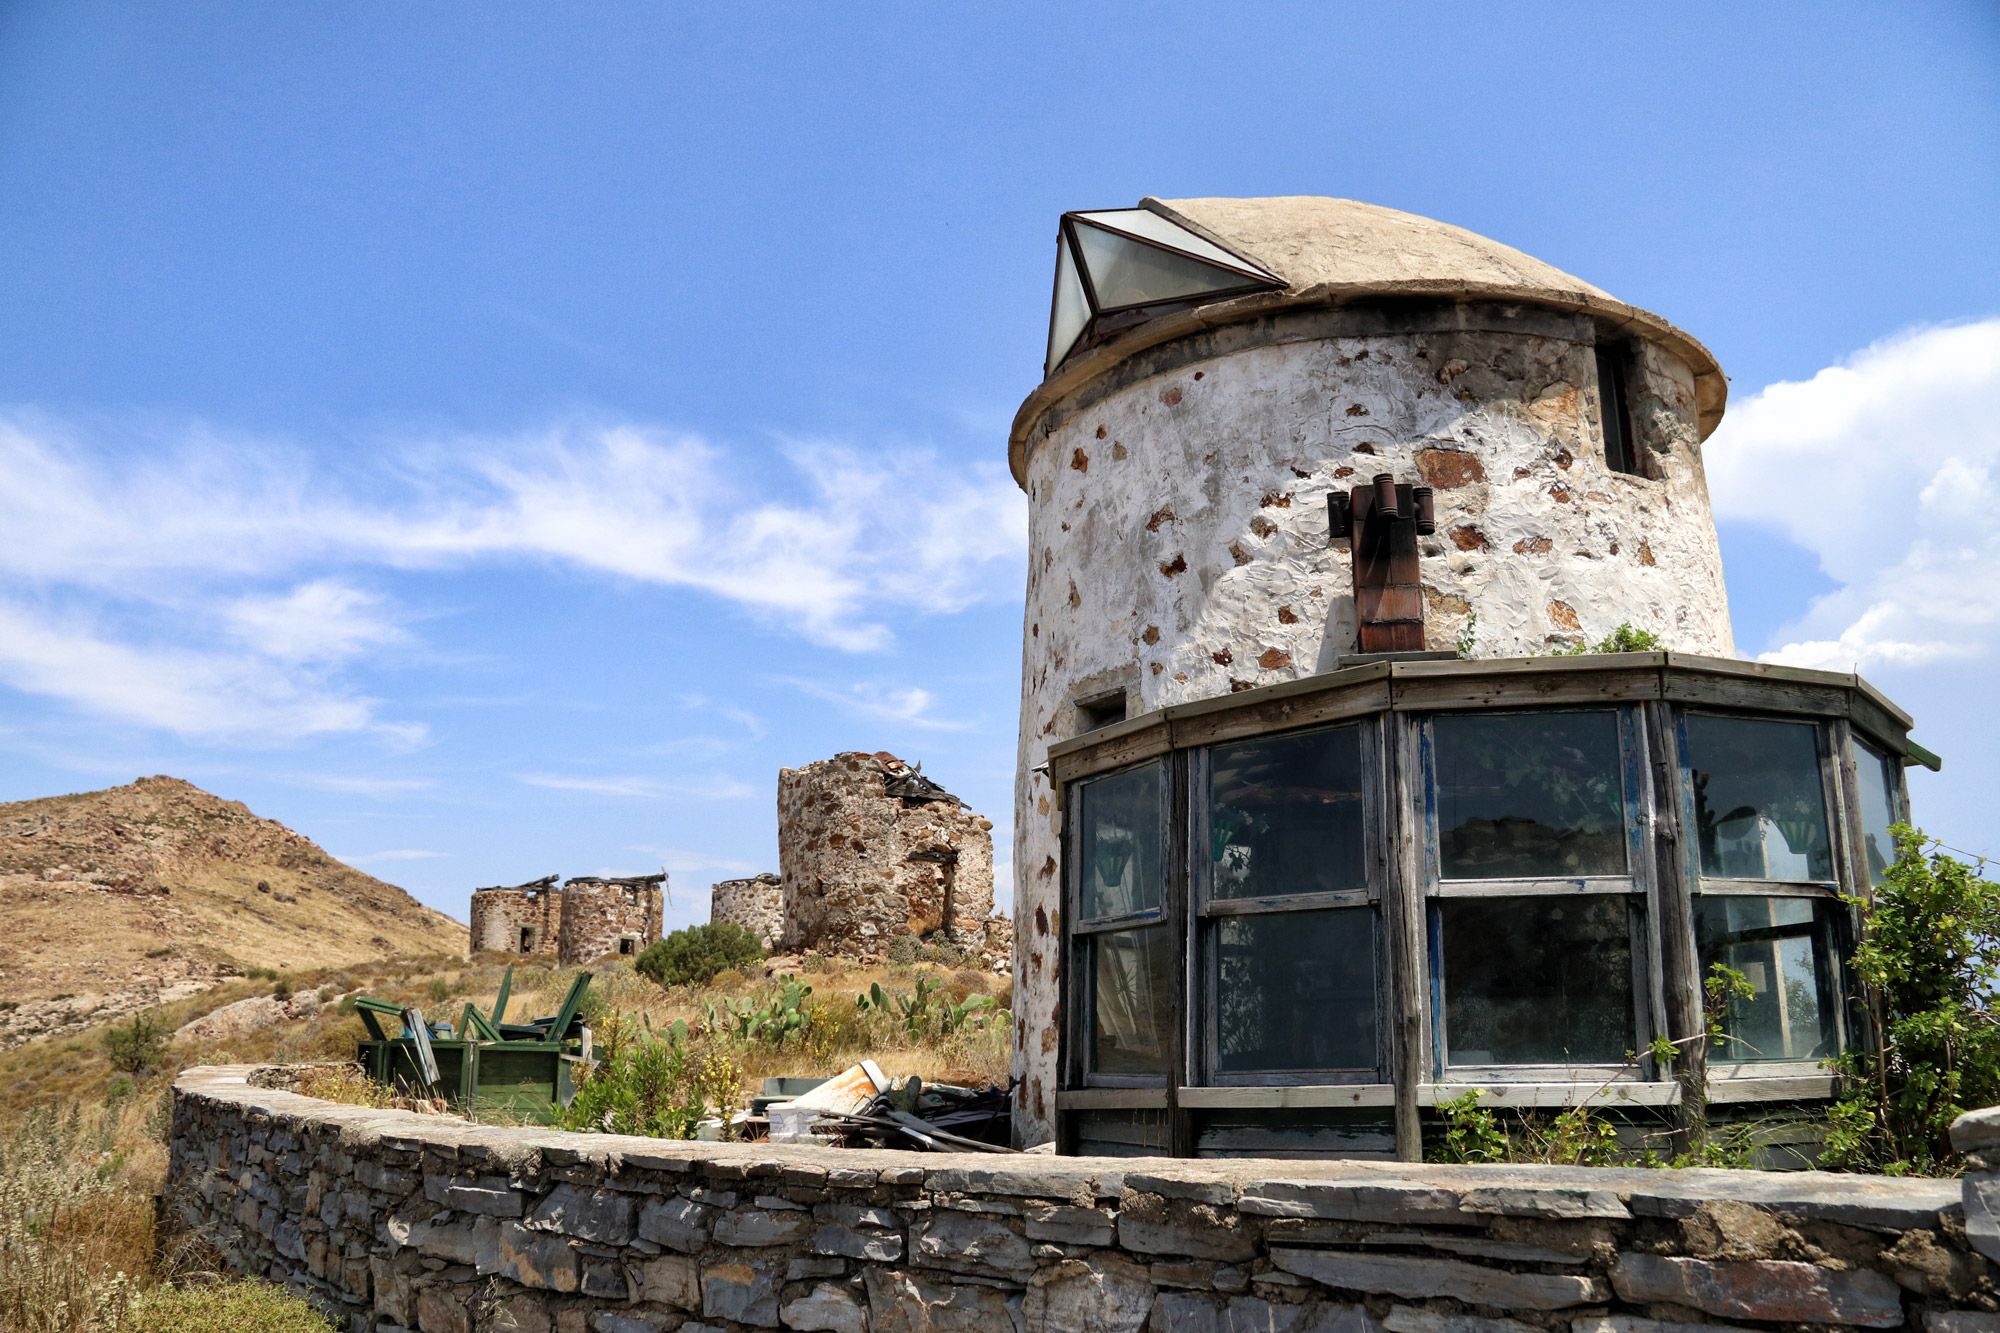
x=397 y=1221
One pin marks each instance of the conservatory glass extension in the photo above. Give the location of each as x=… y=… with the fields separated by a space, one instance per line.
x=1296 y=916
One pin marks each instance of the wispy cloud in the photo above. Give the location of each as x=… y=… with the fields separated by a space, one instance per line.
x=363 y=786
x=215 y=587
x=648 y=788
x=679 y=861
x=1884 y=467
x=907 y=704
x=400 y=854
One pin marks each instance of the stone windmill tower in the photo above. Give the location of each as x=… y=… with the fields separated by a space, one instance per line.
x=1274 y=435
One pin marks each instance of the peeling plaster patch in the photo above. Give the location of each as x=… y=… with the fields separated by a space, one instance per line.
x=1563 y=614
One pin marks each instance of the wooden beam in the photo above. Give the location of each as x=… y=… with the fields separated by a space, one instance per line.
x=1554 y=1094
x=1281 y=1097
x=1112 y=1099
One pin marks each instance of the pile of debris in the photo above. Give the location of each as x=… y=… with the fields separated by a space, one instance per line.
x=864 y=1108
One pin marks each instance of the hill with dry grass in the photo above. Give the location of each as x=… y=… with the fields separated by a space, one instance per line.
x=122 y=899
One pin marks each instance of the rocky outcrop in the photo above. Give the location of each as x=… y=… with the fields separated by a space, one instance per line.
x=390 y=1219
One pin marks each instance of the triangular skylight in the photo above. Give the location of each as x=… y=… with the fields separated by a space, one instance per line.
x=1130 y=260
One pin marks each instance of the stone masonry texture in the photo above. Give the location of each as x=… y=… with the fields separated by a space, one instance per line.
x=604 y=917
x=756 y=904
x=1178 y=541
x=502 y=919
x=861 y=867
x=393 y=1221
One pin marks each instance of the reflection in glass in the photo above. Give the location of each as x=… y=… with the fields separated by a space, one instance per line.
x=1880 y=800
x=1120 y=843
x=1526 y=795
x=1284 y=815
x=1070 y=312
x=1125 y=272
x=1145 y=222
x=1780 y=947
x=1760 y=811
x=1129 y=1001
x=1296 y=990
x=1537 y=981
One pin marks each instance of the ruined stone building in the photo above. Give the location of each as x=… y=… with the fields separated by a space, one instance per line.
x=869 y=849
x=584 y=920
x=756 y=904
x=1312 y=831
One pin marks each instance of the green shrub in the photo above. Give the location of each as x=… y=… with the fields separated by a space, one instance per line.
x=1928 y=964
x=242 y=1306
x=137 y=1046
x=693 y=956
x=657 y=1083
x=1624 y=639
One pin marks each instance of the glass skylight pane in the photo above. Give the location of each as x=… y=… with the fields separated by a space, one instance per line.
x=1125 y=272
x=1070 y=313
x=1144 y=222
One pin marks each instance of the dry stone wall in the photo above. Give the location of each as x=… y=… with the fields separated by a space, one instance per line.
x=394 y=1221
x=860 y=867
x=756 y=904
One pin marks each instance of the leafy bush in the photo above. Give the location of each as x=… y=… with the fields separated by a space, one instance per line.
x=659 y=1083
x=1624 y=639
x=137 y=1046
x=693 y=956
x=1928 y=963
x=242 y=1306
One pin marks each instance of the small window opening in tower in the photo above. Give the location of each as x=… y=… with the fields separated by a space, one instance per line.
x=527 y=940
x=628 y=945
x=1099 y=711
x=1619 y=453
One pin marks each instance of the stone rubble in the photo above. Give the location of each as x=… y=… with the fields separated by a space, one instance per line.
x=394 y=1222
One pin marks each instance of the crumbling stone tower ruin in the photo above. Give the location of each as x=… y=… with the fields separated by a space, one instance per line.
x=869 y=849
x=523 y=919
x=580 y=922
x=756 y=904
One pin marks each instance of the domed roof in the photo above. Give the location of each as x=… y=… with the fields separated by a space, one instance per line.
x=1336 y=251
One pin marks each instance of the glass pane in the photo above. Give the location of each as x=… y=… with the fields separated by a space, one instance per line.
x=1527 y=795
x=1120 y=843
x=1070 y=312
x=1145 y=222
x=1880 y=800
x=1284 y=815
x=1129 y=1013
x=1779 y=945
x=1537 y=981
x=1125 y=272
x=1296 y=990
x=1760 y=811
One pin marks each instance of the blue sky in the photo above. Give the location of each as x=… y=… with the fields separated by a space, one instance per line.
x=493 y=439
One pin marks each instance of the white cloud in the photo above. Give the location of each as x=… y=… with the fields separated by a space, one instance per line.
x=907 y=704
x=363 y=786
x=402 y=854
x=1882 y=467
x=654 y=789
x=187 y=690
x=244 y=547
x=679 y=862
